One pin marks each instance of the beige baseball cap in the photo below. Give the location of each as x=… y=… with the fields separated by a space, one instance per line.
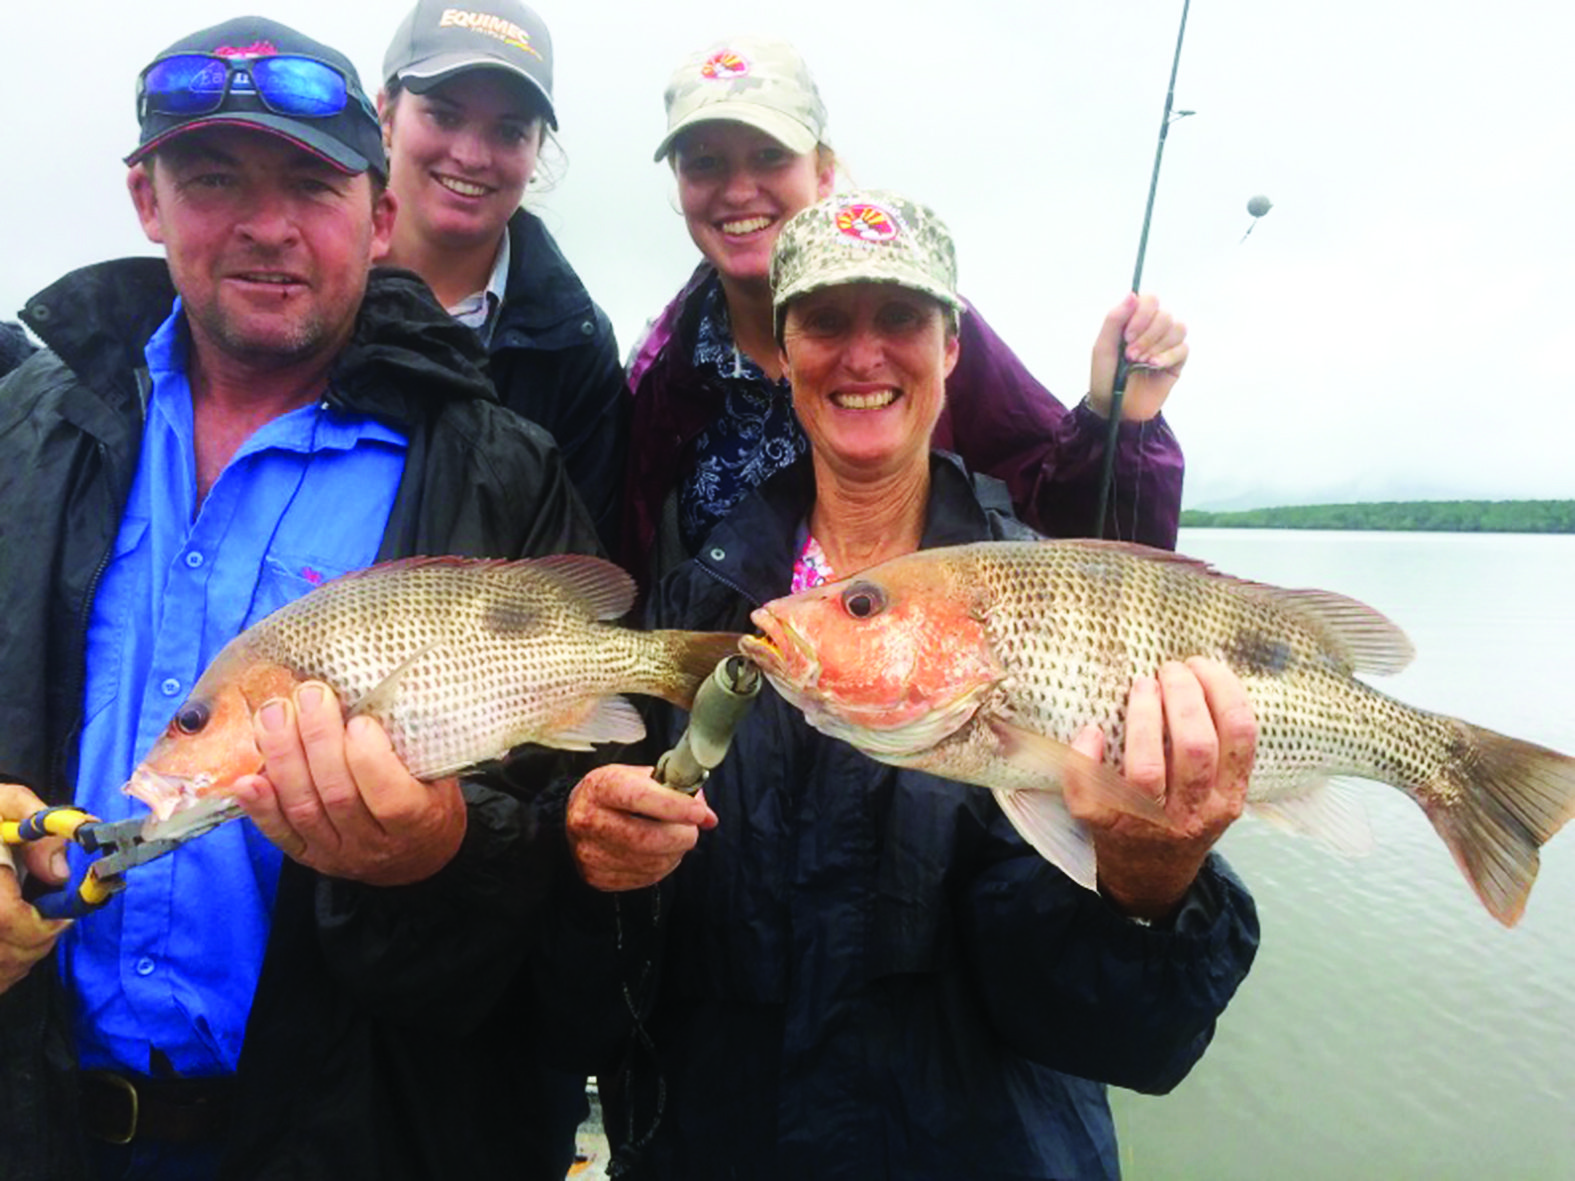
x=871 y=236
x=752 y=80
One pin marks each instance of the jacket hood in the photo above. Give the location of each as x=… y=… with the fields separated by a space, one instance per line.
x=406 y=352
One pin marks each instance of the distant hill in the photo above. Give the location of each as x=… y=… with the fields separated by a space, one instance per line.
x=1428 y=516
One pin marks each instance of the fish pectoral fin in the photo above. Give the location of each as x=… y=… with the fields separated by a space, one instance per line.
x=607 y=719
x=377 y=700
x=1044 y=758
x=1330 y=813
x=1041 y=819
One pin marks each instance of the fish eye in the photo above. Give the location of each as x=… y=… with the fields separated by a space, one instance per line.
x=863 y=600
x=192 y=718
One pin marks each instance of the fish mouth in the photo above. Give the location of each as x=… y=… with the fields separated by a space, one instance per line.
x=181 y=806
x=783 y=653
x=165 y=795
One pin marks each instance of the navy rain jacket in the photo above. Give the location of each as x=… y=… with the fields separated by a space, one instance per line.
x=866 y=972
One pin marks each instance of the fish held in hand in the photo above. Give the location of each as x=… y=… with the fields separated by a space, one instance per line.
x=981 y=663
x=460 y=660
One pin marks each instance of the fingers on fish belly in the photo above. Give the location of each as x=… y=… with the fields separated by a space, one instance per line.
x=1038 y=811
x=1495 y=802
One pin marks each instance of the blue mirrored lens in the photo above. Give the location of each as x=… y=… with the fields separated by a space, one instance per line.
x=190 y=84
x=195 y=84
x=299 y=86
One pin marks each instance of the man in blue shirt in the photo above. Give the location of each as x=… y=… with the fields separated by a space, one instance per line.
x=204 y=440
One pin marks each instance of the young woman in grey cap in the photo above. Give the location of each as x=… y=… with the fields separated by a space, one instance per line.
x=747 y=141
x=466 y=104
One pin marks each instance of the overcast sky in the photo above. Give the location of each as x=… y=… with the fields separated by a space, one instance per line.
x=1397 y=326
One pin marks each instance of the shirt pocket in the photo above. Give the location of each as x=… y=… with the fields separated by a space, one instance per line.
x=285 y=577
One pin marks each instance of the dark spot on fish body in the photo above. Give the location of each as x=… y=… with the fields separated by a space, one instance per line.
x=510 y=615
x=1264 y=655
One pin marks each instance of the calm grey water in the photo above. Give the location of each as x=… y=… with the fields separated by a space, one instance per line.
x=1390 y=1028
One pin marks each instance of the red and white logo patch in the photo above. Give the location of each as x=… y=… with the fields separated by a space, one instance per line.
x=867 y=223
x=724 y=65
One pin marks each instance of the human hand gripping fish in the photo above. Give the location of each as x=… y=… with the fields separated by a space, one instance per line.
x=335 y=797
x=1191 y=736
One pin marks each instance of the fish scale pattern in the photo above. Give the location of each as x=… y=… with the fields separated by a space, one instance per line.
x=486 y=656
x=1074 y=625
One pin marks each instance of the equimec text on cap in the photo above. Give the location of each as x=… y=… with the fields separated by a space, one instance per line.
x=258 y=73
x=438 y=40
x=764 y=84
x=864 y=237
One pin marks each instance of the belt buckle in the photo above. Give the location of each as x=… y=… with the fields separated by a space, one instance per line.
x=118 y=1082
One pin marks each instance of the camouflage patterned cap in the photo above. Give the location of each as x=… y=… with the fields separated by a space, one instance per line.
x=764 y=84
x=864 y=237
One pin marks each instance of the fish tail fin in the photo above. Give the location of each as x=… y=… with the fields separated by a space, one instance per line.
x=1495 y=804
x=683 y=659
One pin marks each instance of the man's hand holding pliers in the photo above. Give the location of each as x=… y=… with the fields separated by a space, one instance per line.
x=26 y=936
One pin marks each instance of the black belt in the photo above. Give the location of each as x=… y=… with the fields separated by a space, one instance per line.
x=119 y=1108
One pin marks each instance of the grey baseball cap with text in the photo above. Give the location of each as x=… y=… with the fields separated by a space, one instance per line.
x=438 y=40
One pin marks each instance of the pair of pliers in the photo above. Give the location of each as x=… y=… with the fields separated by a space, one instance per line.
x=121 y=841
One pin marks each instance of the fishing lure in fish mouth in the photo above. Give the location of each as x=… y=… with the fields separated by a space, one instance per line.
x=981 y=663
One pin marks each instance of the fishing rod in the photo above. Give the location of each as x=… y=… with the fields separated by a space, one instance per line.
x=1108 y=473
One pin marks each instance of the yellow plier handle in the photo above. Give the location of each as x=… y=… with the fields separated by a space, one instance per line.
x=72 y=824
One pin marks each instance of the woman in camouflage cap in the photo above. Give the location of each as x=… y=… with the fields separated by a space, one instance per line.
x=866 y=973
x=747 y=141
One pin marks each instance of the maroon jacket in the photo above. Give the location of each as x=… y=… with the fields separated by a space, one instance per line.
x=997 y=417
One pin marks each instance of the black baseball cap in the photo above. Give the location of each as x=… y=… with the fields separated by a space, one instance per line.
x=351 y=139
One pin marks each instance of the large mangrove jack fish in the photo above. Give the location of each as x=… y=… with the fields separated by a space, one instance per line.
x=460 y=660
x=981 y=663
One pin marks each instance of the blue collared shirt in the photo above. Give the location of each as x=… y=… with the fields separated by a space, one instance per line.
x=171 y=964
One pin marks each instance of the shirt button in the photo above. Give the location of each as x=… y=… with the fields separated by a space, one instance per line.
x=169 y=686
x=193 y=559
x=144 y=966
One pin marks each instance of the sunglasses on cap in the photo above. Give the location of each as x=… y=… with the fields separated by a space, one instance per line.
x=286 y=84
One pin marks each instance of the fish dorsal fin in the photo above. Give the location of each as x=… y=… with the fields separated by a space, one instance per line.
x=611 y=719
x=1331 y=813
x=1362 y=638
x=1041 y=819
x=606 y=590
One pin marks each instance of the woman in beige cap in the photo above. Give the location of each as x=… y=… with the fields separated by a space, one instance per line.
x=747 y=142
x=864 y=971
x=466 y=104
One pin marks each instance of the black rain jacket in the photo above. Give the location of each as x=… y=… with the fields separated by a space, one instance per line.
x=554 y=359
x=390 y=1035
x=866 y=972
